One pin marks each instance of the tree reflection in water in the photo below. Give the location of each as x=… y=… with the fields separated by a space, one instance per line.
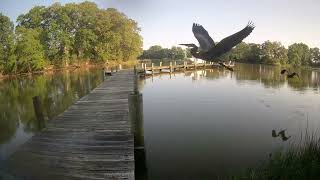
x=57 y=91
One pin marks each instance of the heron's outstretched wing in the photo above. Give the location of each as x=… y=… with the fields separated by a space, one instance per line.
x=203 y=37
x=229 y=42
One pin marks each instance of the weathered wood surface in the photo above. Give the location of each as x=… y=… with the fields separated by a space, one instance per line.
x=92 y=139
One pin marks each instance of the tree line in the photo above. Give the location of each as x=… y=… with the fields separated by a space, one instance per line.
x=274 y=53
x=61 y=35
x=157 y=52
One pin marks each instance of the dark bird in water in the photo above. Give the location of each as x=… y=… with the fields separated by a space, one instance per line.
x=274 y=134
x=289 y=75
x=208 y=50
x=282 y=134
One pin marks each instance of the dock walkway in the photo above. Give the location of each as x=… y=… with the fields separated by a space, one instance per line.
x=92 y=139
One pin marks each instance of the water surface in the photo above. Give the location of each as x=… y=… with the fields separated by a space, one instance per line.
x=216 y=123
x=57 y=92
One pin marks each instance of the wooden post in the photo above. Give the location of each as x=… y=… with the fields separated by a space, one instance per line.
x=204 y=65
x=38 y=111
x=160 y=65
x=136 y=120
x=135 y=70
x=152 y=67
x=194 y=64
x=142 y=66
x=175 y=64
x=170 y=66
x=120 y=66
x=103 y=74
x=145 y=68
x=185 y=64
x=135 y=80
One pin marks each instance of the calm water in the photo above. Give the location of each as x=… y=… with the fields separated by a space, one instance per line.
x=214 y=123
x=197 y=124
x=57 y=91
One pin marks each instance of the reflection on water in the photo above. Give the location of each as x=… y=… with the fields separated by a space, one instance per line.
x=207 y=124
x=56 y=91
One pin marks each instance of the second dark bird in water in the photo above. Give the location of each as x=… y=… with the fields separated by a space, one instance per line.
x=289 y=75
x=282 y=134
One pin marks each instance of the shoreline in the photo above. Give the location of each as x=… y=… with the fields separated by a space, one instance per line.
x=73 y=67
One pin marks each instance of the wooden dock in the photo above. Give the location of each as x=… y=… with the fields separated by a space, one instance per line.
x=173 y=66
x=92 y=139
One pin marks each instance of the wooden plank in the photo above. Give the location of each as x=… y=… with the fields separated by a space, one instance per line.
x=92 y=139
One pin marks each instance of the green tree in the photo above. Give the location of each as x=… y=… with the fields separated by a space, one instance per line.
x=29 y=51
x=177 y=53
x=85 y=40
x=273 y=53
x=188 y=53
x=315 y=56
x=254 y=54
x=119 y=37
x=239 y=53
x=6 y=44
x=157 y=52
x=299 y=54
x=83 y=32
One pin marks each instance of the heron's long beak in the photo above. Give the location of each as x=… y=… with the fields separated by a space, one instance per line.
x=188 y=45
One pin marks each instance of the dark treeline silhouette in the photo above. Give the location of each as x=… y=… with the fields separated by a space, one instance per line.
x=61 y=35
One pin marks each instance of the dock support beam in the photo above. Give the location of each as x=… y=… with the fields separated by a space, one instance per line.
x=152 y=67
x=145 y=68
x=38 y=112
x=136 y=119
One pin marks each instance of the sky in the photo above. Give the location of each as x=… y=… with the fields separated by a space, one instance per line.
x=169 y=22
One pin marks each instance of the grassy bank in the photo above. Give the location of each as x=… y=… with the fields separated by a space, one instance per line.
x=299 y=162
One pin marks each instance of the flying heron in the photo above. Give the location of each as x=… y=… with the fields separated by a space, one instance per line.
x=208 y=50
x=289 y=75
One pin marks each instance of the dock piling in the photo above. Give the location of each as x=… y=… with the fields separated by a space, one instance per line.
x=152 y=67
x=37 y=108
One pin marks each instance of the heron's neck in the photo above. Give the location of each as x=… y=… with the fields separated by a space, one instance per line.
x=194 y=52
